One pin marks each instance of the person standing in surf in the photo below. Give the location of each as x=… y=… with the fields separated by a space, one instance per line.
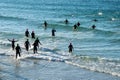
x=70 y=48
x=35 y=47
x=53 y=32
x=45 y=25
x=33 y=35
x=27 y=33
x=37 y=41
x=66 y=21
x=27 y=45
x=18 y=51
x=13 y=43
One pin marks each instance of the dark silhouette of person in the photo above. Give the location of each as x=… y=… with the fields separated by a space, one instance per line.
x=27 y=45
x=33 y=35
x=18 y=51
x=66 y=21
x=53 y=32
x=37 y=41
x=78 y=24
x=13 y=43
x=27 y=33
x=35 y=47
x=75 y=27
x=70 y=47
x=45 y=24
x=95 y=20
x=93 y=26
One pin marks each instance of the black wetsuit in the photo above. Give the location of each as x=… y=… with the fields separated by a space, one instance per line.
x=37 y=42
x=18 y=50
x=70 y=47
x=13 y=43
x=27 y=33
x=35 y=47
x=93 y=27
x=53 y=32
x=75 y=26
x=27 y=44
x=33 y=35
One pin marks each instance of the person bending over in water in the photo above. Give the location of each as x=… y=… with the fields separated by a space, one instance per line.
x=13 y=43
x=27 y=33
x=70 y=47
x=27 y=45
x=18 y=51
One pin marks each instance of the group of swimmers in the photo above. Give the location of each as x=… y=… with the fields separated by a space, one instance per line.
x=37 y=42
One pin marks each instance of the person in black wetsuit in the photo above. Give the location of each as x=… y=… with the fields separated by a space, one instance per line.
x=33 y=35
x=93 y=26
x=45 y=24
x=13 y=43
x=27 y=45
x=35 y=47
x=75 y=27
x=53 y=32
x=66 y=21
x=27 y=33
x=78 y=24
x=37 y=41
x=18 y=50
x=70 y=47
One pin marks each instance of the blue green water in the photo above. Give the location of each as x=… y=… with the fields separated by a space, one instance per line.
x=97 y=50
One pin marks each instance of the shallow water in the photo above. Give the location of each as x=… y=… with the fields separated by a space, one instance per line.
x=95 y=50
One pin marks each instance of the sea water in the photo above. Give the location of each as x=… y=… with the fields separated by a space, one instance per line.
x=94 y=50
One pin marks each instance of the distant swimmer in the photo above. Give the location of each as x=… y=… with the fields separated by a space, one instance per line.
x=66 y=21
x=33 y=35
x=45 y=24
x=70 y=47
x=18 y=50
x=93 y=26
x=35 y=47
x=75 y=27
x=53 y=32
x=27 y=45
x=13 y=43
x=78 y=24
x=95 y=20
x=27 y=33
x=37 y=41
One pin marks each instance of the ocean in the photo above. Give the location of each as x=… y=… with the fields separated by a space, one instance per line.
x=96 y=53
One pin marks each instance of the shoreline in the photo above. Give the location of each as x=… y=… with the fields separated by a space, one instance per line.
x=34 y=69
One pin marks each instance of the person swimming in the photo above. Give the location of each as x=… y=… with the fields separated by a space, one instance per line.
x=18 y=51
x=70 y=47
x=13 y=43
x=33 y=35
x=27 y=33
x=93 y=26
x=27 y=45
x=53 y=32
